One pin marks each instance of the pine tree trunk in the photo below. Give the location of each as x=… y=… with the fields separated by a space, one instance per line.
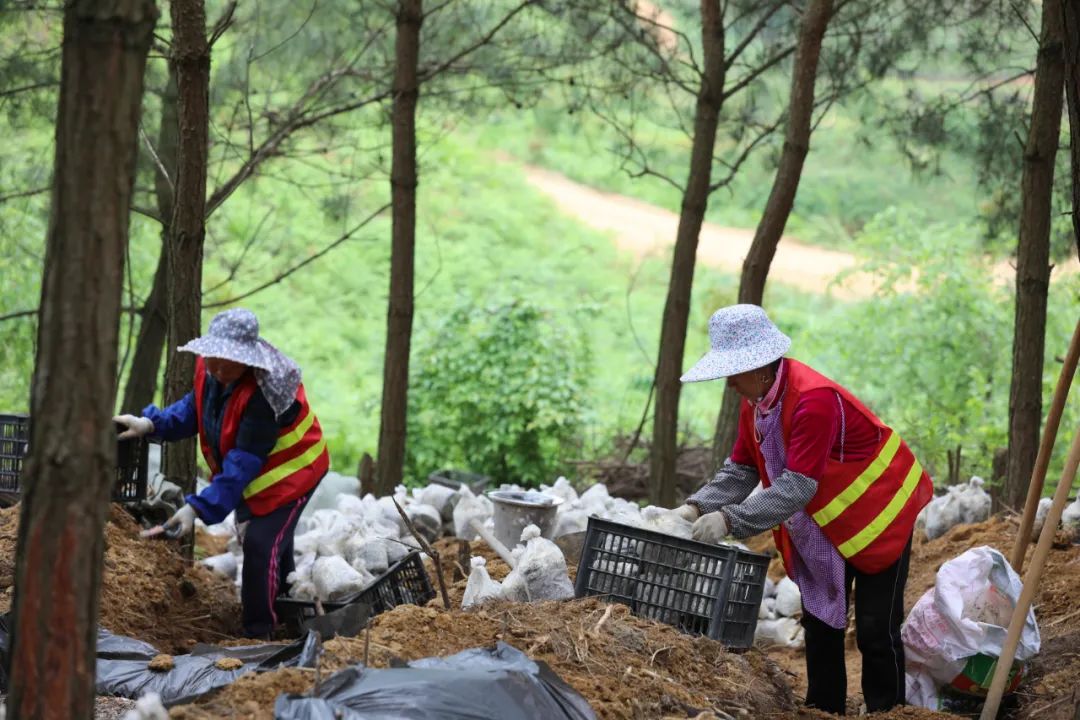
x=1071 y=13
x=69 y=472
x=662 y=478
x=191 y=60
x=153 y=326
x=1033 y=259
x=755 y=268
x=399 y=317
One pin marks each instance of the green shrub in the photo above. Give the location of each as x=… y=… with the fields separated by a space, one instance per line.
x=498 y=390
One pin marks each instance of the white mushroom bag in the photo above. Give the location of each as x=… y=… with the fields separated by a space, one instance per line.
x=966 y=613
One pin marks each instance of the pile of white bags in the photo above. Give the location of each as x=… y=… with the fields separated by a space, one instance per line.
x=966 y=613
x=343 y=542
x=966 y=504
x=539 y=574
x=778 y=616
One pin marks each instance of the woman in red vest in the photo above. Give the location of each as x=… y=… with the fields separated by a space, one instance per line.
x=840 y=490
x=264 y=447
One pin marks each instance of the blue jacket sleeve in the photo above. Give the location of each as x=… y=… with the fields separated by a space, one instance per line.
x=226 y=490
x=255 y=439
x=176 y=422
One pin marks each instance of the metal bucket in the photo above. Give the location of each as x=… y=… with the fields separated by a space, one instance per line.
x=514 y=510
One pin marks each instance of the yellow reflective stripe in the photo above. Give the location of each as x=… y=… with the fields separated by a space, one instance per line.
x=285 y=469
x=885 y=518
x=286 y=441
x=855 y=490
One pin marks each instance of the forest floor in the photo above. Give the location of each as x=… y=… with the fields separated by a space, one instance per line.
x=625 y=667
x=629 y=668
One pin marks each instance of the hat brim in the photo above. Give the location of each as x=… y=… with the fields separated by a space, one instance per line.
x=212 y=347
x=717 y=364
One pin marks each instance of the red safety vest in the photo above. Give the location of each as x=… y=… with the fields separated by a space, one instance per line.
x=297 y=462
x=866 y=508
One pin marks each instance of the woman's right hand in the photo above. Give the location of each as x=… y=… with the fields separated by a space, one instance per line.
x=689 y=513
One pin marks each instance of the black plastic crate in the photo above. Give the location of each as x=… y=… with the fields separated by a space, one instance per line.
x=131 y=470
x=405 y=583
x=702 y=589
x=14 y=440
x=131 y=460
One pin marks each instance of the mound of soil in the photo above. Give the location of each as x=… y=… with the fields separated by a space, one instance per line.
x=148 y=591
x=624 y=666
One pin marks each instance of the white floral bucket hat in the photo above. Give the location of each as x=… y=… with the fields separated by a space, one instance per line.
x=234 y=335
x=743 y=338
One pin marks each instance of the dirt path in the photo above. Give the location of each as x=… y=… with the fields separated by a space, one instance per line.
x=648 y=230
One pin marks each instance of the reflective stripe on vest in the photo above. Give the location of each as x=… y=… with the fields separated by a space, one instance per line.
x=283 y=445
x=861 y=484
x=886 y=517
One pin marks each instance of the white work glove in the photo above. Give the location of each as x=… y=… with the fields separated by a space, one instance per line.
x=181 y=523
x=710 y=528
x=689 y=513
x=136 y=426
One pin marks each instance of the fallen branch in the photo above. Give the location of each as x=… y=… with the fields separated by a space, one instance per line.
x=429 y=550
x=595 y=632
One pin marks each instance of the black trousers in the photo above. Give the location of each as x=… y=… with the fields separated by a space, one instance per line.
x=268 y=560
x=879 y=612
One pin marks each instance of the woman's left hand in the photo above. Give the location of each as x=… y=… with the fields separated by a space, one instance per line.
x=182 y=523
x=711 y=528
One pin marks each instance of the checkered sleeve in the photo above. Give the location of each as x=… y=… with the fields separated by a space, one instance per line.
x=772 y=506
x=731 y=485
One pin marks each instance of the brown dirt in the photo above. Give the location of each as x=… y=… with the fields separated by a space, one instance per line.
x=1054 y=688
x=148 y=592
x=161 y=663
x=228 y=663
x=625 y=667
x=207 y=545
x=251 y=697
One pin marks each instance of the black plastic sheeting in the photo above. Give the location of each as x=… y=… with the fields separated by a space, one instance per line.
x=122 y=665
x=123 y=671
x=476 y=684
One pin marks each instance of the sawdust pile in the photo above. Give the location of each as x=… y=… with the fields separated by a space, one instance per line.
x=149 y=592
x=624 y=666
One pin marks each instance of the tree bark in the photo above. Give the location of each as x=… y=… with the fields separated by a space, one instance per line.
x=153 y=326
x=191 y=60
x=662 y=485
x=69 y=473
x=755 y=269
x=1071 y=23
x=1033 y=258
x=403 y=181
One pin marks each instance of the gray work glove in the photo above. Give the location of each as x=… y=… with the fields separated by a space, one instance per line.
x=181 y=523
x=136 y=426
x=711 y=528
x=688 y=512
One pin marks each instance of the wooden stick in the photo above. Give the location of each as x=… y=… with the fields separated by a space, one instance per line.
x=1046 y=447
x=494 y=543
x=426 y=546
x=1031 y=583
